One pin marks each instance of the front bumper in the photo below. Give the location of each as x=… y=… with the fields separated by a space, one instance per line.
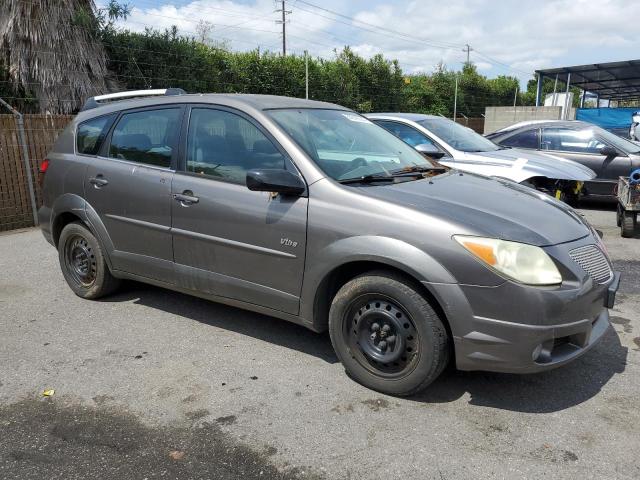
x=534 y=330
x=500 y=346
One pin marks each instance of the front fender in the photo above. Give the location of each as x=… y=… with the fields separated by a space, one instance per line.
x=367 y=248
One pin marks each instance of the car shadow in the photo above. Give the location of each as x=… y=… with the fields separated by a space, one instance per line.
x=262 y=327
x=544 y=392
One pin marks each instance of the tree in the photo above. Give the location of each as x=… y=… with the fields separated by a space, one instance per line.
x=51 y=50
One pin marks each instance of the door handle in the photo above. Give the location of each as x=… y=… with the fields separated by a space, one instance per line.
x=98 y=181
x=186 y=198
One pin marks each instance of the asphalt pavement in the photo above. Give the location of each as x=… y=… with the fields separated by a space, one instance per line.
x=150 y=383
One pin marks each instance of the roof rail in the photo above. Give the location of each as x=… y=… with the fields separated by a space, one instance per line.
x=93 y=102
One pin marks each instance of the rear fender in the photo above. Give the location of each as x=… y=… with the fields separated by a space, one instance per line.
x=78 y=206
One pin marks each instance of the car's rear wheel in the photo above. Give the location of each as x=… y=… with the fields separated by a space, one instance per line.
x=387 y=335
x=83 y=264
x=628 y=224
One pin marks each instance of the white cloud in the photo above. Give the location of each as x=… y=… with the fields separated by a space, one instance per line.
x=525 y=35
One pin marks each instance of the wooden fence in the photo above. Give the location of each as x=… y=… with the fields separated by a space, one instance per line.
x=41 y=132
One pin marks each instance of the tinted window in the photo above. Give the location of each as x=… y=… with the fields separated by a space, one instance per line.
x=91 y=133
x=225 y=145
x=568 y=140
x=526 y=139
x=146 y=137
x=404 y=132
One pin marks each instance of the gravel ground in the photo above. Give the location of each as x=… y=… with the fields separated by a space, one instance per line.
x=150 y=383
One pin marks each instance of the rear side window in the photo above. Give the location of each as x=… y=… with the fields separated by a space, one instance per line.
x=225 y=145
x=147 y=137
x=91 y=134
x=526 y=139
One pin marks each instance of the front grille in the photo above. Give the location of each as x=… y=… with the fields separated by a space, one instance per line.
x=592 y=260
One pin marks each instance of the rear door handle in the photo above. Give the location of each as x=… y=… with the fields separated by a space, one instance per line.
x=186 y=197
x=98 y=181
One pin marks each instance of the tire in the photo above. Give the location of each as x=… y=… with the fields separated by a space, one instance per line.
x=628 y=224
x=380 y=307
x=619 y=211
x=82 y=263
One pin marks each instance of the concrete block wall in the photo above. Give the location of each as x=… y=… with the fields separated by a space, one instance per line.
x=500 y=117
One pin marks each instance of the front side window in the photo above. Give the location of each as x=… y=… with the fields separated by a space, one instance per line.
x=346 y=145
x=225 y=145
x=405 y=133
x=569 y=140
x=91 y=134
x=147 y=137
x=526 y=139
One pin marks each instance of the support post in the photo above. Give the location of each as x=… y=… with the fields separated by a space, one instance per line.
x=25 y=158
x=306 y=75
x=455 y=99
x=565 y=115
x=539 y=89
x=583 y=94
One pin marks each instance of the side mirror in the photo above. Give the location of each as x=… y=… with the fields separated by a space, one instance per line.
x=608 y=151
x=275 y=180
x=429 y=150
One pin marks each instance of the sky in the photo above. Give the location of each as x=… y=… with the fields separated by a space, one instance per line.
x=507 y=37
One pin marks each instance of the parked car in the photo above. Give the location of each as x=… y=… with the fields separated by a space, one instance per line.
x=607 y=154
x=459 y=147
x=309 y=212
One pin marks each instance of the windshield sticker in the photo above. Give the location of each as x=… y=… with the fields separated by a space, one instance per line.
x=520 y=163
x=355 y=118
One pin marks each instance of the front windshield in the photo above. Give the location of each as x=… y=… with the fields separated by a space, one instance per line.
x=618 y=142
x=346 y=145
x=457 y=136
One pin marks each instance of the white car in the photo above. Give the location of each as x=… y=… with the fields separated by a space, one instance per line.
x=459 y=147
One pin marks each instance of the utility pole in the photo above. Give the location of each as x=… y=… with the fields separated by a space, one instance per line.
x=515 y=99
x=467 y=49
x=284 y=12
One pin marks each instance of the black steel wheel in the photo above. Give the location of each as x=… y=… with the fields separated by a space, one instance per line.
x=80 y=261
x=387 y=335
x=83 y=264
x=382 y=335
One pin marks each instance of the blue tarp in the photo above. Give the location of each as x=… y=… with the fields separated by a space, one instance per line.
x=608 y=118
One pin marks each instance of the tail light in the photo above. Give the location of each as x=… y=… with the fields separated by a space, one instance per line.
x=44 y=166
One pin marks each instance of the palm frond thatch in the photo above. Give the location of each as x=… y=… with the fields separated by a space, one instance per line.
x=50 y=49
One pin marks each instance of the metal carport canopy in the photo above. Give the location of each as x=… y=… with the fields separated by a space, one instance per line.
x=613 y=81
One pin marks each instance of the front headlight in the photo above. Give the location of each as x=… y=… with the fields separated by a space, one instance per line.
x=519 y=261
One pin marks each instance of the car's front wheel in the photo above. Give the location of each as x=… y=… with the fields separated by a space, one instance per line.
x=387 y=335
x=83 y=264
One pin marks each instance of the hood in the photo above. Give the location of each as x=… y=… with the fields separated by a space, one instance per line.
x=519 y=165
x=488 y=207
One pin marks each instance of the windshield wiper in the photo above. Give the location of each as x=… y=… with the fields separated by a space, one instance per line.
x=417 y=169
x=368 y=179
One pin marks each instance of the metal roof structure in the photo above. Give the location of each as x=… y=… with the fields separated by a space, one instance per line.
x=612 y=81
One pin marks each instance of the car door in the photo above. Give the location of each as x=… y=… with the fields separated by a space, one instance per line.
x=228 y=240
x=413 y=137
x=583 y=146
x=129 y=187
